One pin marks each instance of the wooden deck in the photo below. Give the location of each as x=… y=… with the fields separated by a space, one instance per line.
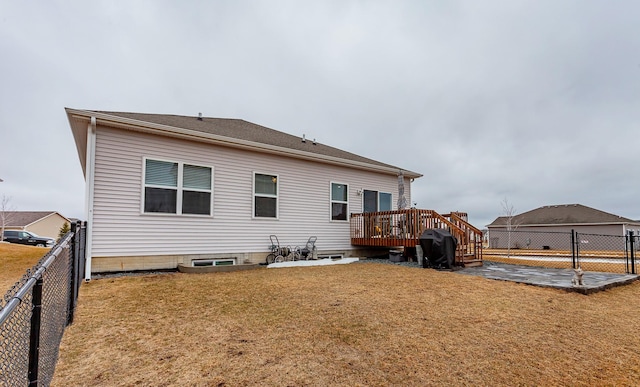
x=404 y=227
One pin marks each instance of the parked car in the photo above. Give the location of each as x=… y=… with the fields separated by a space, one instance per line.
x=27 y=238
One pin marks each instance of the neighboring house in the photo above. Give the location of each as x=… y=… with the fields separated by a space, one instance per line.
x=526 y=227
x=164 y=190
x=42 y=223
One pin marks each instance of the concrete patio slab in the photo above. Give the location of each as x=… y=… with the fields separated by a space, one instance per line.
x=549 y=277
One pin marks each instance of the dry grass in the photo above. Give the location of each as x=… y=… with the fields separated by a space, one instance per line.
x=357 y=324
x=15 y=260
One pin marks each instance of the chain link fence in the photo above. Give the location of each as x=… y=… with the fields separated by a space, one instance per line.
x=36 y=310
x=565 y=250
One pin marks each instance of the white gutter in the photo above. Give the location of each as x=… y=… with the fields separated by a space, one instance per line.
x=89 y=182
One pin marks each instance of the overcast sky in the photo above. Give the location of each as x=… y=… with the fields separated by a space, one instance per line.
x=536 y=101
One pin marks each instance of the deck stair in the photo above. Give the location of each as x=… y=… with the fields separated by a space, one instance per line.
x=404 y=227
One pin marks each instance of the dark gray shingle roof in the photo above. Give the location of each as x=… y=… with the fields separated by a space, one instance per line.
x=562 y=214
x=244 y=130
x=24 y=218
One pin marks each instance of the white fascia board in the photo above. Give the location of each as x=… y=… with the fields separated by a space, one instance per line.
x=147 y=127
x=79 y=131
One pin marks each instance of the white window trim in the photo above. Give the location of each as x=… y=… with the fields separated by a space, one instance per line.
x=331 y=201
x=179 y=188
x=253 y=196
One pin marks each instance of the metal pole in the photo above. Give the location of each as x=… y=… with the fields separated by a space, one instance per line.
x=73 y=292
x=632 y=240
x=577 y=239
x=34 y=337
x=82 y=253
x=573 y=249
x=626 y=252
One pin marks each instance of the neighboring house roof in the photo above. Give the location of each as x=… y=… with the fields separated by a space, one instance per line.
x=222 y=131
x=561 y=215
x=26 y=218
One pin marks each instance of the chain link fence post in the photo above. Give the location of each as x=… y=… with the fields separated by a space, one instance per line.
x=34 y=337
x=574 y=258
x=632 y=249
x=73 y=294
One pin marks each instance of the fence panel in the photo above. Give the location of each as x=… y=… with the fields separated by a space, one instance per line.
x=592 y=252
x=598 y=252
x=531 y=248
x=35 y=312
x=14 y=340
x=55 y=309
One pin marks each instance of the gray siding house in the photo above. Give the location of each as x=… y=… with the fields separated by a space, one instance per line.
x=535 y=229
x=164 y=190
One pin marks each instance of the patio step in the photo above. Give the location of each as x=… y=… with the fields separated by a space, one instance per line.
x=472 y=262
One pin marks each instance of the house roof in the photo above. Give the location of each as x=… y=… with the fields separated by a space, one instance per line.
x=561 y=215
x=25 y=218
x=223 y=131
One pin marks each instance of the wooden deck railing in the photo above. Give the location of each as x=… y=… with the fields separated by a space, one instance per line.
x=404 y=227
x=471 y=244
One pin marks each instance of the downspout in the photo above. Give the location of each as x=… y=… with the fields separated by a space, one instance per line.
x=90 y=171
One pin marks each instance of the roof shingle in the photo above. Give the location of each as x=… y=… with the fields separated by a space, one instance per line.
x=247 y=131
x=562 y=214
x=24 y=218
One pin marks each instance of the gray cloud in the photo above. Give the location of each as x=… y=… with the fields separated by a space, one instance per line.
x=536 y=101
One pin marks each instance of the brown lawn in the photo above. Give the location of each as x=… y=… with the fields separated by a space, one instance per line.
x=347 y=325
x=15 y=260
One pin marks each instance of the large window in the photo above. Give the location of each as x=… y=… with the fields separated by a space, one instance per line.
x=375 y=201
x=265 y=195
x=339 y=201
x=384 y=201
x=177 y=188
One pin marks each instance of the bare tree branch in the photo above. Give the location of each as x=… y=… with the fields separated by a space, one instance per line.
x=6 y=214
x=509 y=212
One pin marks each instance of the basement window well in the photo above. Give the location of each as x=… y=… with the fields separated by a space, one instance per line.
x=213 y=262
x=335 y=256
